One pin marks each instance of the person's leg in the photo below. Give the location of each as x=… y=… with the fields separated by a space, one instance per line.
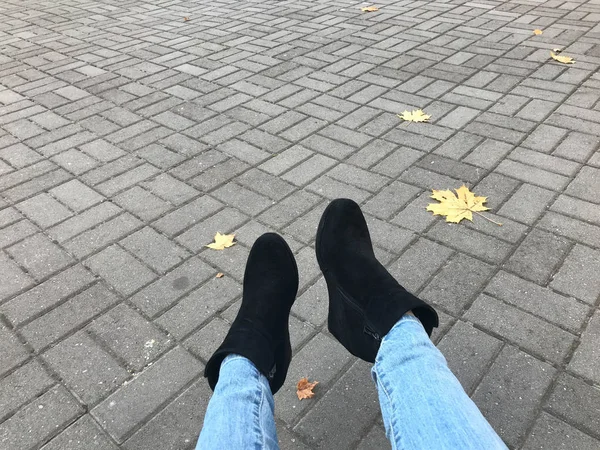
x=252 y=362
x=422 y=402
x=240 y=413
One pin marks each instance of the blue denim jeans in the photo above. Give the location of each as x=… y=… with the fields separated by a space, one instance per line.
x=423 y=404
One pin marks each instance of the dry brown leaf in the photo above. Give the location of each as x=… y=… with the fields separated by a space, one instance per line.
x=304 y=389
x=557 y=50
x=537 y=32
x=562 y=59
x=220 y=275
x=185 y=19
x=457 y=208
x=415 y=116
x=222 y=241
x=369 y=9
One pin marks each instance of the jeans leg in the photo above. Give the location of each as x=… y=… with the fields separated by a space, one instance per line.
x=240 y=412
x=422 y=402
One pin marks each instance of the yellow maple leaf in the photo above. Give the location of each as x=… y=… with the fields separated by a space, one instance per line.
x=369 y=9
x=562 y=59
x=456 y=208
x=222 y=241
x=537 y=32
x=414 y=116
x=304 y=389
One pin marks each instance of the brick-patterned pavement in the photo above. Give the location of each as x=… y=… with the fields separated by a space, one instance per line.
x=129 y=136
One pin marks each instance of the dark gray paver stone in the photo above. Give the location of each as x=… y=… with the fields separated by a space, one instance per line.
x=543 y=302
x=469 y=353
x=552 y=433
x=356 y=395
x=579 y=274
x=68 y=316
x=457 y=283
x=128 y=407
x=87 y=369
x=178 y=425
x=84 y=433
x=586 y=359
x=524 y=329
x=577 y=402
x=39 y=420
x=509 y=394
x=130 y=336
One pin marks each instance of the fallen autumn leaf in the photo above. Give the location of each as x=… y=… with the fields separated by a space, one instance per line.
x=415 y=116
x=537 y=32
x=562 y=59
x=369 y=9
x=220 y=275
x=304 y=389
x=458 y=208
x=222 y=241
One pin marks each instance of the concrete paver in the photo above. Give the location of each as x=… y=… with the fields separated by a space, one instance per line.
x=129 y=136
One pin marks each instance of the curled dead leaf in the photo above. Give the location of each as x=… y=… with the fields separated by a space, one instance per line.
x=222 y=241
x=537 y=32
x=304 y=389
x=414 y=116
x=369 y=9
x=185 y=19
x=220 y=275
x=557 y=50
x=562 y=59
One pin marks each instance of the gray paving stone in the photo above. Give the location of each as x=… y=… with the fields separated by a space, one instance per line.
x=178 y=425
x=86 y=369
x=415 y=216
x=102 y=236
x=191 y=311
x=321 y=359
x=44 y=210
x=538 y=255
x=40 y=256
x=356 y=395
x=14 y=278
x=120 y=270
x=457 y=283
x=573 y=229
x=41 y=419
x=577 y=402
x=580 y=209
x=585 y=184
x=76 y=195
x=154 y=249
x=469 y=353
x=585 y=361
x=130 y=336
x=509 y=394
x=83 y=221
x=204 y=342
x=313 y=304
x=84 y=433
x=142 y=203
x=13 y=352
x=550 y=432
x=68 y=316
x=46 y=295
x=522 y=328
x=390 y=199
x=21 y=386
x=543 y=302
x=419 y=263
x=467 y=240
x=577 y=275
x=126 y=409
x=169 y=288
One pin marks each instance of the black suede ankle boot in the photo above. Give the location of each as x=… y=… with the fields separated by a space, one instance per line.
x=365 y=301
x=260 y=331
